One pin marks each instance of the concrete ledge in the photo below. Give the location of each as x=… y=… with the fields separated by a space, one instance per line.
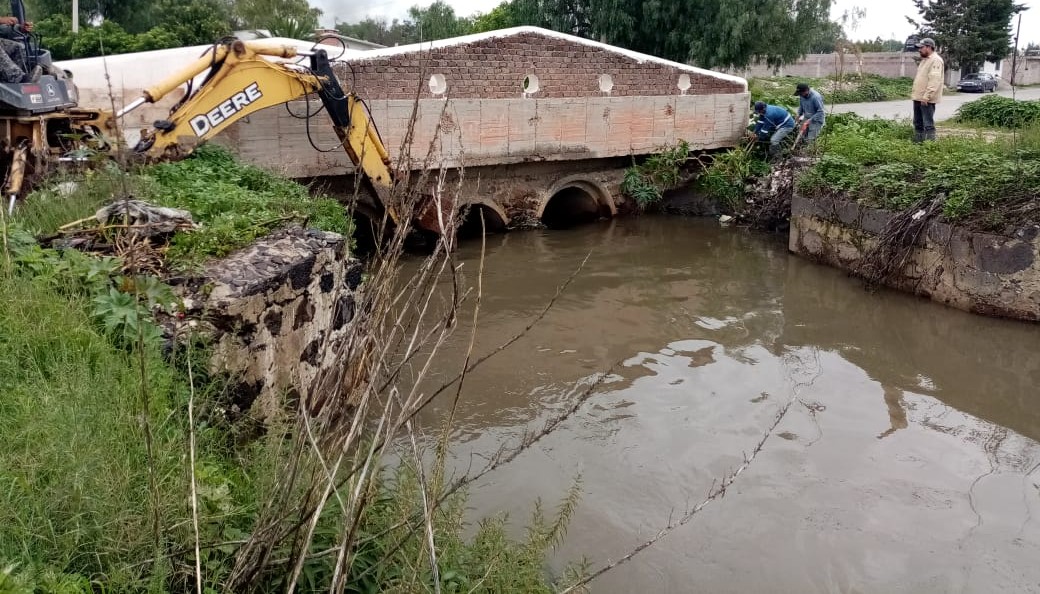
x=978 y=272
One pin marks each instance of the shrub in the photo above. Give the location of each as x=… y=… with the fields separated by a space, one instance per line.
x=646 y=183
x=1000 y=112
x=729 y=172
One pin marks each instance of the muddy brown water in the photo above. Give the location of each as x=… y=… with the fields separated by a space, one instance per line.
x=909 y=461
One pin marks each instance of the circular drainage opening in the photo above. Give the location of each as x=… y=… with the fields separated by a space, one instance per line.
x=471 y=224
x=570 y=207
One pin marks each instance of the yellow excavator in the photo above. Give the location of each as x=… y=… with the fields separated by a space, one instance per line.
x=239 y=81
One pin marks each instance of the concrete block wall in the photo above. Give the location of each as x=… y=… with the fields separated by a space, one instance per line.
x=887 y=64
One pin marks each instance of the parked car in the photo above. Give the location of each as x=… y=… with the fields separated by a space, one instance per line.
x=911 y=43
x=978 y=81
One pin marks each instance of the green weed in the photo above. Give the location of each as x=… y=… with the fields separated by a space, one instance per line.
x=874 y=161
x=87 y=506
x=729 y=172
x=645 y=183
x=1000 y=112
x=851 y=88
x=236 y=203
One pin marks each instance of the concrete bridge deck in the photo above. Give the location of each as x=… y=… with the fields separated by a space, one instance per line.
x=529 y=115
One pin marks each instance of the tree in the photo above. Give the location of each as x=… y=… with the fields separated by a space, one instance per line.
x=502 y=16
x=194 y=22
x=380 y=31
x=283 y=18
x=133 y=16
x=169 y=23
x=438 y=21
x=880 y=45
x=968 y=32
x=424 y=23
x=710 y=33
x=825 y=39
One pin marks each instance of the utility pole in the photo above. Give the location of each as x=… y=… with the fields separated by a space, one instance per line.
x=1014 y=56
x=75 y=16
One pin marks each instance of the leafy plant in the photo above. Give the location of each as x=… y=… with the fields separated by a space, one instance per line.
x=853 y=88
x=729 y=172
x=874 y=161
x=236 y=203
x=646 y=183
x=123 y=305
x=1000 y=112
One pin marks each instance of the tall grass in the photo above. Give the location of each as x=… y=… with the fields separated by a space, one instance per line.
x=336 y=493
x=874 y=161
x=75 y=498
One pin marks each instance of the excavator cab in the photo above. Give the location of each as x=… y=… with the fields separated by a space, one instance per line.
x=47 y=94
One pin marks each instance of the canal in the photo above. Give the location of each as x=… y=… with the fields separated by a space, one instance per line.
x=908 y=461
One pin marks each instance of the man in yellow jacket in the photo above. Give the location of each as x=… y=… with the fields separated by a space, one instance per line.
x=927 y=90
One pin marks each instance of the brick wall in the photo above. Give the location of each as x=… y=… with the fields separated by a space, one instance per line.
x=495 y=68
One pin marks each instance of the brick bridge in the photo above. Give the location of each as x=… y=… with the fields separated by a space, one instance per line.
x=540 y=125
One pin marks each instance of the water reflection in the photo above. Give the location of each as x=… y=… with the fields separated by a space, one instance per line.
x=908 y=462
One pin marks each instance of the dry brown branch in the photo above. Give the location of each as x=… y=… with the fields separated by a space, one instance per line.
x=897 y=241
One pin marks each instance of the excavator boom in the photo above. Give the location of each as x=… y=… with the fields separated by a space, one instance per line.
x=239 y=82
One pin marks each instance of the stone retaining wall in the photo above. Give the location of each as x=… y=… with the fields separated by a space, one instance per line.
x=977 y=272
x=271 y=307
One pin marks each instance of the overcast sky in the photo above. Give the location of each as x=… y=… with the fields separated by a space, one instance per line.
x=885 y=18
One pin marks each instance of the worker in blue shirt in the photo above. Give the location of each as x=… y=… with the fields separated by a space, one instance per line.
x=810 y=108
x=774 y=123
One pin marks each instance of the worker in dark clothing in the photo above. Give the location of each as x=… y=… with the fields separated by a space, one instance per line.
x=810 y=107
x=774 y=124
x=12 y=58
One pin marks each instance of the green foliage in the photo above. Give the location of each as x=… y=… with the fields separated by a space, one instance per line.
x=875 y=161
x=968 y=32
x=235 y=203
x=646 y=182
x=283 y=18
x=438 y=21
x=880 y=45
x=155 y=25
x=1000 y=112
x=848 y=89
x=381 y=31
x=711 y=34
x=75 y=500
x=500 y=17
x=123 y=306
x=729 y=172
x=426 y=23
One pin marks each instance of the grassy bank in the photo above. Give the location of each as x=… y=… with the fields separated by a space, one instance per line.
x=234 y=202
x=988 y=185
x=102 y=424
x=984 y=180
x=851 y=88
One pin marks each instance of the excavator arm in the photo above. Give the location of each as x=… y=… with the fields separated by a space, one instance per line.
x=239 y=82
